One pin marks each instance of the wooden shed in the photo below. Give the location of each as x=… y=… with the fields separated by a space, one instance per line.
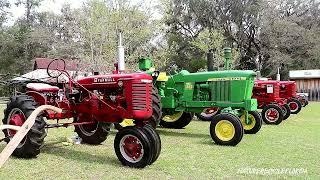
x=308 y=81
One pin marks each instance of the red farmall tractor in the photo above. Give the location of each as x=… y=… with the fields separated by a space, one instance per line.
x=288 y=91
x=274 y=108
x=94 y=103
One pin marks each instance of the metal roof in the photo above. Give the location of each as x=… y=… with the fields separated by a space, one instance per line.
x=304 y=74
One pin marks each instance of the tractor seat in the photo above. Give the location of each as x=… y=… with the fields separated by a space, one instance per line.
x=42 y=87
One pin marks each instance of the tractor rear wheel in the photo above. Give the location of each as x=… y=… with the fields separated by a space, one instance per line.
x=295 y=106
x=208 y=113
x=286 y=111
x=94 y=133
x=177 y=120
x=156 y=108
x=255 y=122
x=133 y=147
x=272 y=114
x=18 y=110
x=155 y=141
x=226 y=129
x=303 y=102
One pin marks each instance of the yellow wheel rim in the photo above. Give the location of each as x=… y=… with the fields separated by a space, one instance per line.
x=225 y=130
x=173 y=117
x=251 y=124
x=127 y=122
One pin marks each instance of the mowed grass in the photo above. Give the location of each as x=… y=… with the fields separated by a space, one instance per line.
x=186 y=154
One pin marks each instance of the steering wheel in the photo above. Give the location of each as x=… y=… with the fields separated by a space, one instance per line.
x=56 y=68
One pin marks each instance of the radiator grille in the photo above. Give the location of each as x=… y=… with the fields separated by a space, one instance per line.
x=221 y=91
x=141 y=96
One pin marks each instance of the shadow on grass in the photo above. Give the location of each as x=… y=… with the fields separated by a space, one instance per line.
x=67 y=152
x=168 y=132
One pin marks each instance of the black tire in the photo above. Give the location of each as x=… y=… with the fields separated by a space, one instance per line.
x=180 y=123
x=156 y=108
x=257 y=120
x=92 y=133
x=306 y=103
x=155 y=141
x=277 y=109
x=236 y=124
x=286 y=111
x=296 y=104
x=207 y=117
x=34 y=140
x=145 y=144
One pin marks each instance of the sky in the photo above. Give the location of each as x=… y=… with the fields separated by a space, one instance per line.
x=56 y=5
x=46 y=5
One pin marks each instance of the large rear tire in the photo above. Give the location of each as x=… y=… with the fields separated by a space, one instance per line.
x=156 y=108
x=255 y=122
x=133 y=148
x=294 y=106
x=226 y=129
x=177 y=120
x=272 y=114
x=19 y=108
x=92 y=133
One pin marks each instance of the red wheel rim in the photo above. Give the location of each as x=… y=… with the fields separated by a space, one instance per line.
x=16 y=118
x=272 y=115
x=131 y=148
x=293 y=106
x=208 y=112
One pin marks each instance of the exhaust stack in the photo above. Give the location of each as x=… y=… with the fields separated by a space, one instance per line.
x=121 y=63
x=278 y=74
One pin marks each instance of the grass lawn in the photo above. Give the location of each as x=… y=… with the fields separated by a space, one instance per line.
x=186 y=154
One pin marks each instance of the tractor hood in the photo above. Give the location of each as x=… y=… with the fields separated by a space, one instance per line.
x=215 y=75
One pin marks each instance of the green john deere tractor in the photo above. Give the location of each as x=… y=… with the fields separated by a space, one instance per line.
x=184 y=94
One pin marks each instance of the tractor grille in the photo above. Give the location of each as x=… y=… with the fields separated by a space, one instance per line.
x=276 y=90
x=141 y=96
x=221 y=91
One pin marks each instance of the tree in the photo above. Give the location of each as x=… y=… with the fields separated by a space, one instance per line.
x=238 y=21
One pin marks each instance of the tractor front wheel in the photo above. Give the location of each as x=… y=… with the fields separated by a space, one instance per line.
x=254 y=122
x=208 y=113
x=94 y=133
x=295 y=106
x=133 y=147
x=272 y=114
x=18 y=110
x=177 y=120
x=226 y=129
x=155 y=141
x=286 y=111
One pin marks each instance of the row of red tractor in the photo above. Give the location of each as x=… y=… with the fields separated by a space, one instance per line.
x=277 y=100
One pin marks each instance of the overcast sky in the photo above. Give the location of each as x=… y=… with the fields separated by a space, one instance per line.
x=56 y=5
